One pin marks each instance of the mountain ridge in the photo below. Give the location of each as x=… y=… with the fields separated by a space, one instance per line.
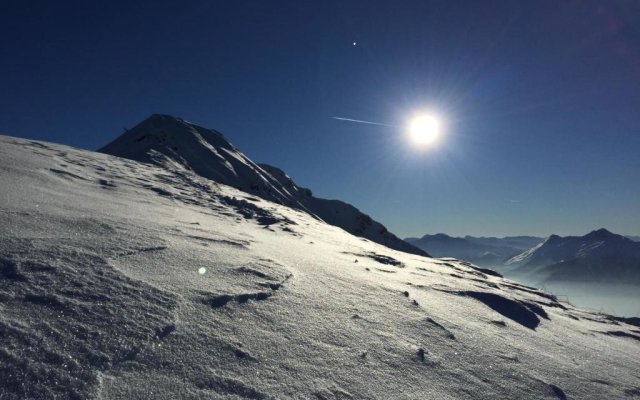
x=558 y=248
x=599 y=255
x=483 y=251
x=175 y=143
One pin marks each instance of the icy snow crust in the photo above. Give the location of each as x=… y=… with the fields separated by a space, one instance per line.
x=102 y=296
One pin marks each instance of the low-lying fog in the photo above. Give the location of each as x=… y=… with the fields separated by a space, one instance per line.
x=616 y=299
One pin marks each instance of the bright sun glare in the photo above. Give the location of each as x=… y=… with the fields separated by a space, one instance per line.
x=424 y=130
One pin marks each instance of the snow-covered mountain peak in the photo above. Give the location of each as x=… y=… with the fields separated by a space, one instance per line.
x=167 y=128
x=598 y=255
x=553 y=239
x=179 y=145
x=602 y=234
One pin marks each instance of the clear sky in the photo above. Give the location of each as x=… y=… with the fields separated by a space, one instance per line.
x=540 y=99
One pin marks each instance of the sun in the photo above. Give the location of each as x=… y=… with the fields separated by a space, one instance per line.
x=424 y=130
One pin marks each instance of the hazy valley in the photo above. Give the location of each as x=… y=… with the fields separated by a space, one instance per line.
x=600 y=270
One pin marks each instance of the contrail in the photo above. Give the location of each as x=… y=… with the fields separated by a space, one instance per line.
x=359 y=121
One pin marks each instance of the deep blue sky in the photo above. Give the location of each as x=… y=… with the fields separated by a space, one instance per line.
x=541 y=98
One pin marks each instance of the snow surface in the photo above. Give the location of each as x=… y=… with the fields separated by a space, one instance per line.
x=124 y=280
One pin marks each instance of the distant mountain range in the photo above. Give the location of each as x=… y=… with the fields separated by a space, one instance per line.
x=482 y=251
x=599 y=256
x=176 y=144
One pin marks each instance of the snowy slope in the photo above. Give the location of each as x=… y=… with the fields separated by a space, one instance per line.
x=182 y=146
x=123 y=280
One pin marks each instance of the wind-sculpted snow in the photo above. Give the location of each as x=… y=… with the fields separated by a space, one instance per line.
x=66 y=315
x=123 y=280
